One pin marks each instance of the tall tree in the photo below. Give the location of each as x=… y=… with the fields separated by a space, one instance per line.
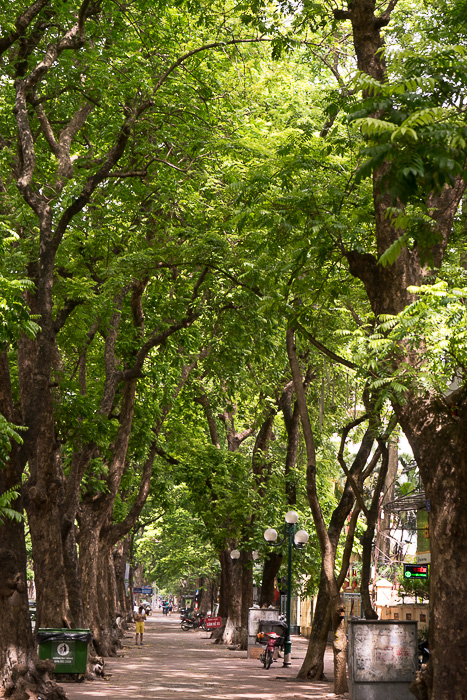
x=91 y=137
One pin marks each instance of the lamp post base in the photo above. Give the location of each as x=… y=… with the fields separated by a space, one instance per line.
x=287 y=653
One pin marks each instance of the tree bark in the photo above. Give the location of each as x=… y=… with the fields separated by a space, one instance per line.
x=433 y=425
x=121 y=556
x=439 y=443
x=313 y=664
x=246 y=561
x=327 y=548
x=272 y=564
x=383 y=543
x=22 y=673
x=232 y=577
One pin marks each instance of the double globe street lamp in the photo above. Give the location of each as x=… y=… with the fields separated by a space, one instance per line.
x=296 y=540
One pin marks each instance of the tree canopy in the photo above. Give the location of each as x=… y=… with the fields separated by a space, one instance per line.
x=231 y=234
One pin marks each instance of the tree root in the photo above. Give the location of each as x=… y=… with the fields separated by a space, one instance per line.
x=421 y=686
x=32 y=682
x=95 y=667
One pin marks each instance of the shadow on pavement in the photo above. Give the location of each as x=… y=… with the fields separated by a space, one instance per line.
x=176 y=664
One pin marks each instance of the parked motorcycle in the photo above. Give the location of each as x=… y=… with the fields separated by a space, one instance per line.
x=423 y=654
x=193 y=623
x=272 y=640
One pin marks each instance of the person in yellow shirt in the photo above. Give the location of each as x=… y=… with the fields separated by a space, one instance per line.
x=140 y=617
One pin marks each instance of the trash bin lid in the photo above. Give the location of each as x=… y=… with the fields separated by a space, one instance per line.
x=49 y=634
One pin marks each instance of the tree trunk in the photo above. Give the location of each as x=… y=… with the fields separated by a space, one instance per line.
x=328 y=548
x=73 y=577
x=330 y=607
x=313 y=663
x=339 y=647
x=89 y=561
x=224 y=588
x=433 y=424
x=110 y=635
x=439 y=442
x=120 y=555
x=272 y=564
x=205 y=597
x=367 y=551
x=246 y=561
x=232 y=579
x=22 y=673
x=383 y=544
x=43 y=490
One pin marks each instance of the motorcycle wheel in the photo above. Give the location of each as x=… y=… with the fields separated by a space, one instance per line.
x=268 y=660
x=186 y=626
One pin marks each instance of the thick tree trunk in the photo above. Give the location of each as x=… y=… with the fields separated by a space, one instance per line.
x=89 y=561
x=433 y=424
x=205 y=597
x=383 y=543
x=272 y=564
x=73 y=577
x=232 y=583
x=439 y=442
x=22 y=671
x=44 y=520
x=247 y=596
x=108 y=641
x=313 y=663
x=224 y=592
x=367 y=550
x=121 y=557
x=43 y=490
x=339 y=646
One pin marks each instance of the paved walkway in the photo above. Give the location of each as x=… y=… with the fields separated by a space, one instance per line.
x=187 y=665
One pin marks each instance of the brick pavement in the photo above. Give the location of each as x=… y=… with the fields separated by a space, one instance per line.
x=178 y=665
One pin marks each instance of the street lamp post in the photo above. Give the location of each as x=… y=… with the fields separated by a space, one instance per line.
x=296 y=540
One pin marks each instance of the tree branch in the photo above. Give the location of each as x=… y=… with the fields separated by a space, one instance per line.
x=206 y=47
x=323 y=349
x=114 y=532
x=21 y=24
x=159 y=338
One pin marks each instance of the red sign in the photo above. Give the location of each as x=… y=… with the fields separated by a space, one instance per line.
x=213 y=622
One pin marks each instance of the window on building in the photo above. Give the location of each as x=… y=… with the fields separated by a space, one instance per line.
x=408 y=616
x=396 y=616
x=422 y=617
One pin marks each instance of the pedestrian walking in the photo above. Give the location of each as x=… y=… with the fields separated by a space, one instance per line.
x=140 y=617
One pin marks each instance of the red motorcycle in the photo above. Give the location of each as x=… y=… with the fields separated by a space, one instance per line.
x=193 y=623
x=272 y=640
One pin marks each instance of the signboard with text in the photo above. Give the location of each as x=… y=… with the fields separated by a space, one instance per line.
x=213 y=622
x=418 y=571
x=423 y=538
x=144 y=590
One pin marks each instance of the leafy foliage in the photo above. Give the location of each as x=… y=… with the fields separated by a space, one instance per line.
x=7 y=498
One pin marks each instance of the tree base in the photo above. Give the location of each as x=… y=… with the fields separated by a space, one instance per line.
x=421 y=686
x=32 y=682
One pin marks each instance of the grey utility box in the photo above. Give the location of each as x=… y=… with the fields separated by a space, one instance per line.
x=255 y=618
x=382 y=659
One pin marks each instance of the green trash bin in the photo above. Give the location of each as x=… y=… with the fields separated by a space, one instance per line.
x=67 y=648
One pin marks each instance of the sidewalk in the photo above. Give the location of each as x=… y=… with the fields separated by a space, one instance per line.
x=176 y=664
